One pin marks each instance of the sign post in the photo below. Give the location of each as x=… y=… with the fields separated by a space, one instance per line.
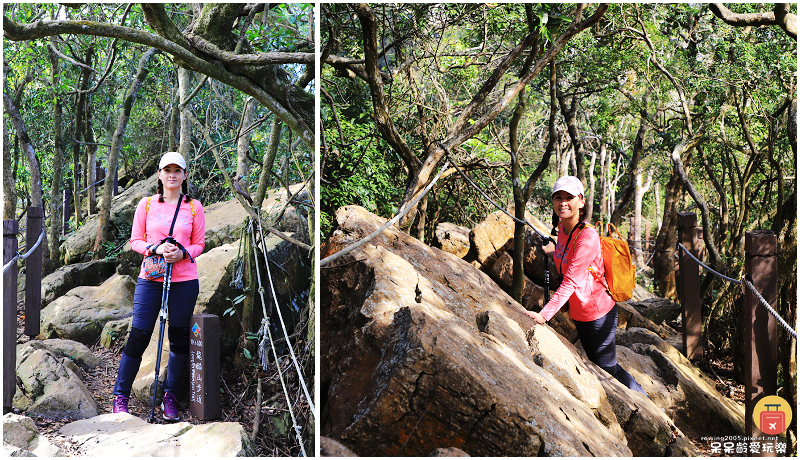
x=204 y=366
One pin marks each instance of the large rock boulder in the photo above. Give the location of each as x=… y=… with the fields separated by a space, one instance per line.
x=76 y=352
x=64 y=279
x=495 y=236
x=21 y=438
x=47 y=388
x=224 y=222
x=647 y=428
x=216 y=269
x=81 y=314
x=123 y=206
x=657 y=310
x=124 y=435
x=425 y=352
x=649 y=431
x=687 y=395
x=491 y=237
x=452 y=238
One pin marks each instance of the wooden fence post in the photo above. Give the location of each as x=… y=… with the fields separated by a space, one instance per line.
x=688 y=279
x=10 y=230
x=760 y=330
x=33 y=271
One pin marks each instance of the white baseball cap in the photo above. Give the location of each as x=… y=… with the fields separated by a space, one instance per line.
x=569 y=184
x=172 y=158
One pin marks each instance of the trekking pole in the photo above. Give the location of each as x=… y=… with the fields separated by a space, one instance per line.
x=163 y=315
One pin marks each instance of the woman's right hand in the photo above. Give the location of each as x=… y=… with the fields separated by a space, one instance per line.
x=536 y=317
x=165 y=248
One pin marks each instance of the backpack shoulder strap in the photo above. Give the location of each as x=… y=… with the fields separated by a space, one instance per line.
x=146 y=212
x=191 y=205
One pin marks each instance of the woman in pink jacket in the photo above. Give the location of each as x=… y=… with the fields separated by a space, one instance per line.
x=591 y=307
x=151 y=225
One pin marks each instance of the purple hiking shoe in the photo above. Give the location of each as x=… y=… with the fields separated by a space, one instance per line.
x=169 y=407
x=120 y=404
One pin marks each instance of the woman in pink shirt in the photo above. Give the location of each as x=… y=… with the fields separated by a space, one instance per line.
x=151 y=225
x=591 y=307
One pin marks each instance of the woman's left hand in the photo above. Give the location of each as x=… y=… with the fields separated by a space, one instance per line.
x=536 y=317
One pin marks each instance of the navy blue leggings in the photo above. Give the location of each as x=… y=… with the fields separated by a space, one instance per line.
x=146 y=307
x=147 y=303
x=598 y=340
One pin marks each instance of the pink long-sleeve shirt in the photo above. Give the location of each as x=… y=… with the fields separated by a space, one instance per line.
x=586 y=293
x=153 y=226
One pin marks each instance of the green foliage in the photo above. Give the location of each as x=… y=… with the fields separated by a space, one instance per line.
x=363 y=175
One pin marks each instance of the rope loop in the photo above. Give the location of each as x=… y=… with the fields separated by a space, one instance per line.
x=21 y=256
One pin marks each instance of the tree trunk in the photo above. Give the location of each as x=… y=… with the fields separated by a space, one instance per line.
x=520 y=201
x=58 y=152
x=243 y=145
x=637 y=214
x=523 y=194
x=422 y=215
x=604 y=164
x=9 y=185
x=185 y=89
x=27 y=147
x=91 y=150
x=268 y=161
x=113 y=155
x=663 y=260
x=633 y=167
x=570 y=114
x=174 y=121
x=590 y=188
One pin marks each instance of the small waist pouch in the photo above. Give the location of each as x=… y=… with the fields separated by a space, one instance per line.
x=154 y=267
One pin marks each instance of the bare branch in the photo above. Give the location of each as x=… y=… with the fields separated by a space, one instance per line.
x=248 y=59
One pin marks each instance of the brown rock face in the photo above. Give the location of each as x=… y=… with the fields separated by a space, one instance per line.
x=405 y=374
x=453 y=239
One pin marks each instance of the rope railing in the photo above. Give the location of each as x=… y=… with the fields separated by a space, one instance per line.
x=283 y=324
x=726 y=278
x=545 y=238
x=750 y=286
x=647 y=263
x=23 y=256
x=262 y=344
x=771 y=311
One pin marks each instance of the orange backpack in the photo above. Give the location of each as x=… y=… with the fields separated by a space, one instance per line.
x=620 y=272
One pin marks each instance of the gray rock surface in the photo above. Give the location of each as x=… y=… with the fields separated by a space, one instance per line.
x=21 y=438
x=124 y=435
x=81 y=314
x=46 y=388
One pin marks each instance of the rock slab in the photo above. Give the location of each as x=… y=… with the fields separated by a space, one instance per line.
x=409 y=371
x=81 y=314
x=124 y=435
x=49 y=389
x=21 y=438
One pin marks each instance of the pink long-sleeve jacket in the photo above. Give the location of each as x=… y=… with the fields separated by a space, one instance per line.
x=153 y=226
x=586 y=293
